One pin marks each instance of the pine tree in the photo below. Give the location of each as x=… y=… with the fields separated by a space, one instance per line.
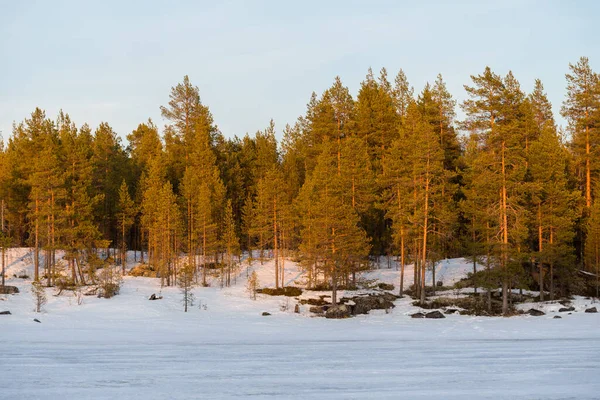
x=555 y=207
x=81 y=233
x=39 y=296
x=581 y=108
x=268 y=207
x=125 y=215
x=592 y=244
x=203 y=192
x=252 y=285
x=185 y=282
x=230 y=239
x=494 y=115
x=331 y=234
x=376 y=118
x=161 y=221
x=403 y=94
x=109 y=163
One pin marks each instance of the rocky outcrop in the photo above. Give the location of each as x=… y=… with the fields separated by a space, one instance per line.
x=434 y=314
x=364 y=304
x=535 y=313
x=338 y=311
x=8 y=289
x=566 y=309
x=317 y=309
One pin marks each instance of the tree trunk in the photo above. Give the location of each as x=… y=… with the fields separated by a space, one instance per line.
x=275 y=254
x=36 y=257
x=588 y=176
x=504 y=212
x=425 y=231
x=401 y=261
x=540 y=245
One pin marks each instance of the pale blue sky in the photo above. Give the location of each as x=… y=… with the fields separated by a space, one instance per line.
x=116 y=61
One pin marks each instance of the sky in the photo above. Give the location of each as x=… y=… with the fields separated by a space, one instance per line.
x=116 y=61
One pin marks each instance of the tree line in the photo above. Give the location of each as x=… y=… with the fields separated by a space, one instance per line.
x=389 y=172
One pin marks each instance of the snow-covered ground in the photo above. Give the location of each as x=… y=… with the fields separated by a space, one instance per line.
x=129 y=347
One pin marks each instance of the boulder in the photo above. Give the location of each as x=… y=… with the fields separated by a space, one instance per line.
x=418 y=315
x=591 y=310
x=154 y=297
x=316 y=309
x=37 y=320
x=364 y=304
x=338 y=311
x=535 y=313
x=566 y=309
x=451 y=311
x=314 y=302
x=265 y=314
x=385 y=286
x=5 y=313
x=557 y=317
x=9 y=289
x=434 y=314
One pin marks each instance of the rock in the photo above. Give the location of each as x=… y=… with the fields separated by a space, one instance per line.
x=5 y=313
x=316 y=309
x=297 y=308
x=338 y=311
x=154 y=297
x=440 y=283
x=290 y=291
x=265 y=314
x=385 y=286
x=37 y=320
x=535 y=313
x=451 y=311
x=418 y=315
x=314 y=302
x=557 y=317
x=434 y=314
x=591 y=310
x=9 y=289
x=364 y=304
x=566 y=309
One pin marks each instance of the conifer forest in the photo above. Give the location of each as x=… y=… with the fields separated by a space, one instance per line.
x=358 y=178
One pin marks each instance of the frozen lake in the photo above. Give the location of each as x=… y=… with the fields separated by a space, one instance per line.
x=130 y=348
x=289 y=359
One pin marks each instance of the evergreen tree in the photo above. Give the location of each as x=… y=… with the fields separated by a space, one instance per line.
x=125 y=215
x=109 y=162
x=494 y=113
x=230 y=240
x=185 y=281
x=556 y=208
x=403 y=95
x=582 y=109
x=331 y=235
x=592 y=244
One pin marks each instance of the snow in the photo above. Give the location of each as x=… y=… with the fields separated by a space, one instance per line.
x=130 y=348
